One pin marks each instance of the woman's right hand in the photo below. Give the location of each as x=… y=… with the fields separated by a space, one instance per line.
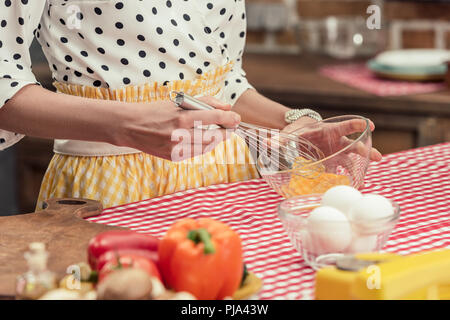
x=169 y=132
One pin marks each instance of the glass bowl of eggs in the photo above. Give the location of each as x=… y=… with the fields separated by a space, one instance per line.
x=323 y=227
x=318 y=156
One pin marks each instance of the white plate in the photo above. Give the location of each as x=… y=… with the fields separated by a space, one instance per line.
x=413 y=58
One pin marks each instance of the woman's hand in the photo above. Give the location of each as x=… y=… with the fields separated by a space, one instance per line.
x=169 y=132
x=331 y=137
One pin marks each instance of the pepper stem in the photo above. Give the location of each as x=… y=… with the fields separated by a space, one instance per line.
x=202 y=235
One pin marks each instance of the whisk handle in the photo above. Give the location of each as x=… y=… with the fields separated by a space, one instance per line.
x=187 y=102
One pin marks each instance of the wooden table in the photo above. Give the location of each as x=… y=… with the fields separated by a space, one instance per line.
x=402 y=122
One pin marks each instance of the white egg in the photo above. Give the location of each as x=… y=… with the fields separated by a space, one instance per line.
x=361 y=244
x=329 y=230
x=341 y=198
x=371 y=207
x=368 y=214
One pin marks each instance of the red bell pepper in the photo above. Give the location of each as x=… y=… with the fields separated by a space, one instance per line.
x=117 y=240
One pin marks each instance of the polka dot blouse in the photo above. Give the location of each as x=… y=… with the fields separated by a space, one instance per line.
x=112 y=44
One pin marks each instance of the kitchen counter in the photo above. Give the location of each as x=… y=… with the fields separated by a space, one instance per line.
x=411 y=120
x=417 y=180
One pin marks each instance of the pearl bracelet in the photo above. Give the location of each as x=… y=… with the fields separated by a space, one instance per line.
x=295 y=114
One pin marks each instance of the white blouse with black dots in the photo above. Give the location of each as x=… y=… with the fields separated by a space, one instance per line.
x=109 y=43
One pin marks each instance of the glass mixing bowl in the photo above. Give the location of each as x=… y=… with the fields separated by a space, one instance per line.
x=334 y=151
x=321 y=244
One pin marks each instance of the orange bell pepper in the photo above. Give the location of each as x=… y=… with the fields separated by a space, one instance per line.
x=202 y=257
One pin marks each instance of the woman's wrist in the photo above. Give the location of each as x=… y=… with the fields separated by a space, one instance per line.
x=256 y=109
x=122 y=116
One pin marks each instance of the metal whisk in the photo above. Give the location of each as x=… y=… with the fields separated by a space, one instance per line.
x=286 y=151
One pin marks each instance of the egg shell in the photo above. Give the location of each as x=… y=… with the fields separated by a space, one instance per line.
x=311 y=247
x=369 y=214
x=329 y=230
x=371 y=207
x=341 y=198
x=362 y=244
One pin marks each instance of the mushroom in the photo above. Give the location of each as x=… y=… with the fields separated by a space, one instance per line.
x=125 y=284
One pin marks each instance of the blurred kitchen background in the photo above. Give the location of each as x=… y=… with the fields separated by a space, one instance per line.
x=305 y=53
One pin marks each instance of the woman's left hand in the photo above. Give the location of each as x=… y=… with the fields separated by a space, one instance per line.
x=335 y=131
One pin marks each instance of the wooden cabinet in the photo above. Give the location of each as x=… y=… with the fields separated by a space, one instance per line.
x=401 y=122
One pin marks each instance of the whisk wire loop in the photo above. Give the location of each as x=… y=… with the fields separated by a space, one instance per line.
x=285 y=151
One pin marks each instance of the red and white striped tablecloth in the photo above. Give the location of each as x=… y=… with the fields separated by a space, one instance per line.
x=418 y=179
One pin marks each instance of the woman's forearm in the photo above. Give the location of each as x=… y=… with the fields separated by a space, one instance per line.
x=38 y=112
x=148 y=127
x=256 y=109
